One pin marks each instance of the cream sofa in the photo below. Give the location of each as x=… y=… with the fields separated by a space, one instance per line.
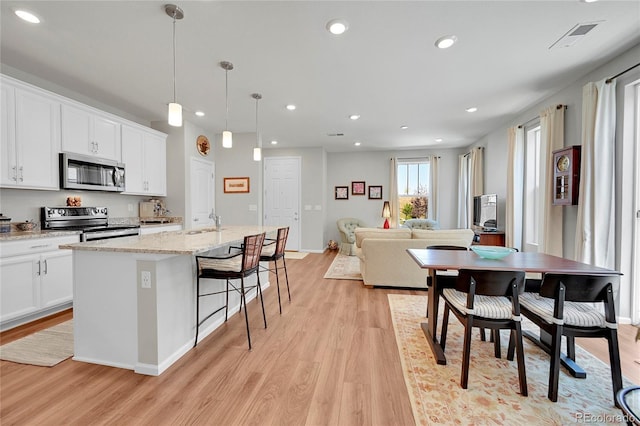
x=384 y=260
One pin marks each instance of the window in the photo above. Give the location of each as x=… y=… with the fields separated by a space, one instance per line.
x=532 y=190
x=413 y=188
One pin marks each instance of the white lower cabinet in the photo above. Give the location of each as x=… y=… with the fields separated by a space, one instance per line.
x=36 y=279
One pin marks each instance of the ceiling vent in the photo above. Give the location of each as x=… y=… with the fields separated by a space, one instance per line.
x=574 y=34
x=335 y=134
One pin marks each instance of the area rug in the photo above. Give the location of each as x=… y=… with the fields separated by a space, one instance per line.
x=45 y=348
x=344 y=267
x=493 y=394
x=295 y=255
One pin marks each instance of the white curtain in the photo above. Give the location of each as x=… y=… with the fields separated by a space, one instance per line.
x=595 y=228
x=463 y=189
x=434 y=195
x=470 y=184
x=476 y=179
x=515 y=185
x=551 y=139
x=393 y=192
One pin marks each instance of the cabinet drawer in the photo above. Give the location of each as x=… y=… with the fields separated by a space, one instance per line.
x=35 y=245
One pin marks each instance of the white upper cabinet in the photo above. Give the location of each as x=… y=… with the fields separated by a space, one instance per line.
x=88 y=132
x=145 y=157
x=30 y=137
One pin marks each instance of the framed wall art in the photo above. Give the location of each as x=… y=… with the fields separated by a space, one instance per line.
x=358 y=188
x=236 y=185
x=375 y=192
x=203 y=145
x=342 y=193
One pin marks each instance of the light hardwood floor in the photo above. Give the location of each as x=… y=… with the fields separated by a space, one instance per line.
x=329 y=359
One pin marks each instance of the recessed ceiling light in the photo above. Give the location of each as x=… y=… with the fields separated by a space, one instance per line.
x=337 y=26
x=471 y=109
x=588 y=1
x=438 y=139
x=291 y=107
x=354 y=116
x=274 y=142
x=200 y=113
x=27 y=16
x=404 y=127
x=446 y=41
x=356 y=143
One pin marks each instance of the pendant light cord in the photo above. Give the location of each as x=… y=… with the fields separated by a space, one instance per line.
x=174 y=56
x=257 y=137
x=226 y=97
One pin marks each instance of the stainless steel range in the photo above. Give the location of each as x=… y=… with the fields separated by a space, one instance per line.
x=92 y=221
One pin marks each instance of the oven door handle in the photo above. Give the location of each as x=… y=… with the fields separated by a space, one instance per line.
x=101 y=235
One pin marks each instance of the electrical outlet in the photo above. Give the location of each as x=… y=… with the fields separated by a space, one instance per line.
x=146 y=279
x=130 y=208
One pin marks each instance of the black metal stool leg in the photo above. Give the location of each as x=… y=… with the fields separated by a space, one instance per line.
x=246 y=311
x=226 y=306
x=197 y=310
x=275 y=266
x=286 y=276
x=264 y=316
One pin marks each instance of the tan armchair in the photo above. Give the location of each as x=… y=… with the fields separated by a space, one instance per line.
x=347 y=227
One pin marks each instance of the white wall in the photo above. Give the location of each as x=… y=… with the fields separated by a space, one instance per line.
x=238 y=162
x=495 y=145
x=372 y=167
x=313 y=183
x=181 y=147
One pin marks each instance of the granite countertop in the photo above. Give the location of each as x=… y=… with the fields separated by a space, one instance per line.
x=23 y=235
x=174 y=242
x=15 y=234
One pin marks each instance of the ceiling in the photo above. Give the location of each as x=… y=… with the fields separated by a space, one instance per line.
x=384 y=68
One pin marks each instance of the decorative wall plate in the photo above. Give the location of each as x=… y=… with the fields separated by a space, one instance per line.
x=203 y=145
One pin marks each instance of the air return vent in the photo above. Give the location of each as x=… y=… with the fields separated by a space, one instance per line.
x=574 y=34
x=335 y=134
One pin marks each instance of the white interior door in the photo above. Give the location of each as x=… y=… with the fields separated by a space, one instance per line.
x=282 y=196
x=202 y=193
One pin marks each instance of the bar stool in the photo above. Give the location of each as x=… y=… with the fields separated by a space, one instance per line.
x=273 y=251
x=237 y=265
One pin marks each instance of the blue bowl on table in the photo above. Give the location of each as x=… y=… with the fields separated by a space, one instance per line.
x=492 y=252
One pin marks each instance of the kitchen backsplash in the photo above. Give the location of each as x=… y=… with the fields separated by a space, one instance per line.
x=22 y=205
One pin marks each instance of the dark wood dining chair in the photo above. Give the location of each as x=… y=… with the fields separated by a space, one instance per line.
x=486 y=299
x=240 y=264
x=273 y=251
x=564 y=307
x=445 y=278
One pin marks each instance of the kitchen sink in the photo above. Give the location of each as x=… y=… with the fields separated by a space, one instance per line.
x=202 y=231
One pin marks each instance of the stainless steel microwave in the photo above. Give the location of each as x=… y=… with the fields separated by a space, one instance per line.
x=85 y=172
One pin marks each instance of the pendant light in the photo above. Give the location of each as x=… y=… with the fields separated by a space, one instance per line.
x=227 y=136
x=257 y=151
x=175 y=109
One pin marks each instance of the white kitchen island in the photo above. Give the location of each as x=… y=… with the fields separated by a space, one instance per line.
x=125 y=321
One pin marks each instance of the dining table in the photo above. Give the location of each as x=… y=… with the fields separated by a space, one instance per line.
x=529 y=262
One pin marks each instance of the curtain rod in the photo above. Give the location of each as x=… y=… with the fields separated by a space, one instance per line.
x=520 y=126
x=610 y=79
x=469 y=153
